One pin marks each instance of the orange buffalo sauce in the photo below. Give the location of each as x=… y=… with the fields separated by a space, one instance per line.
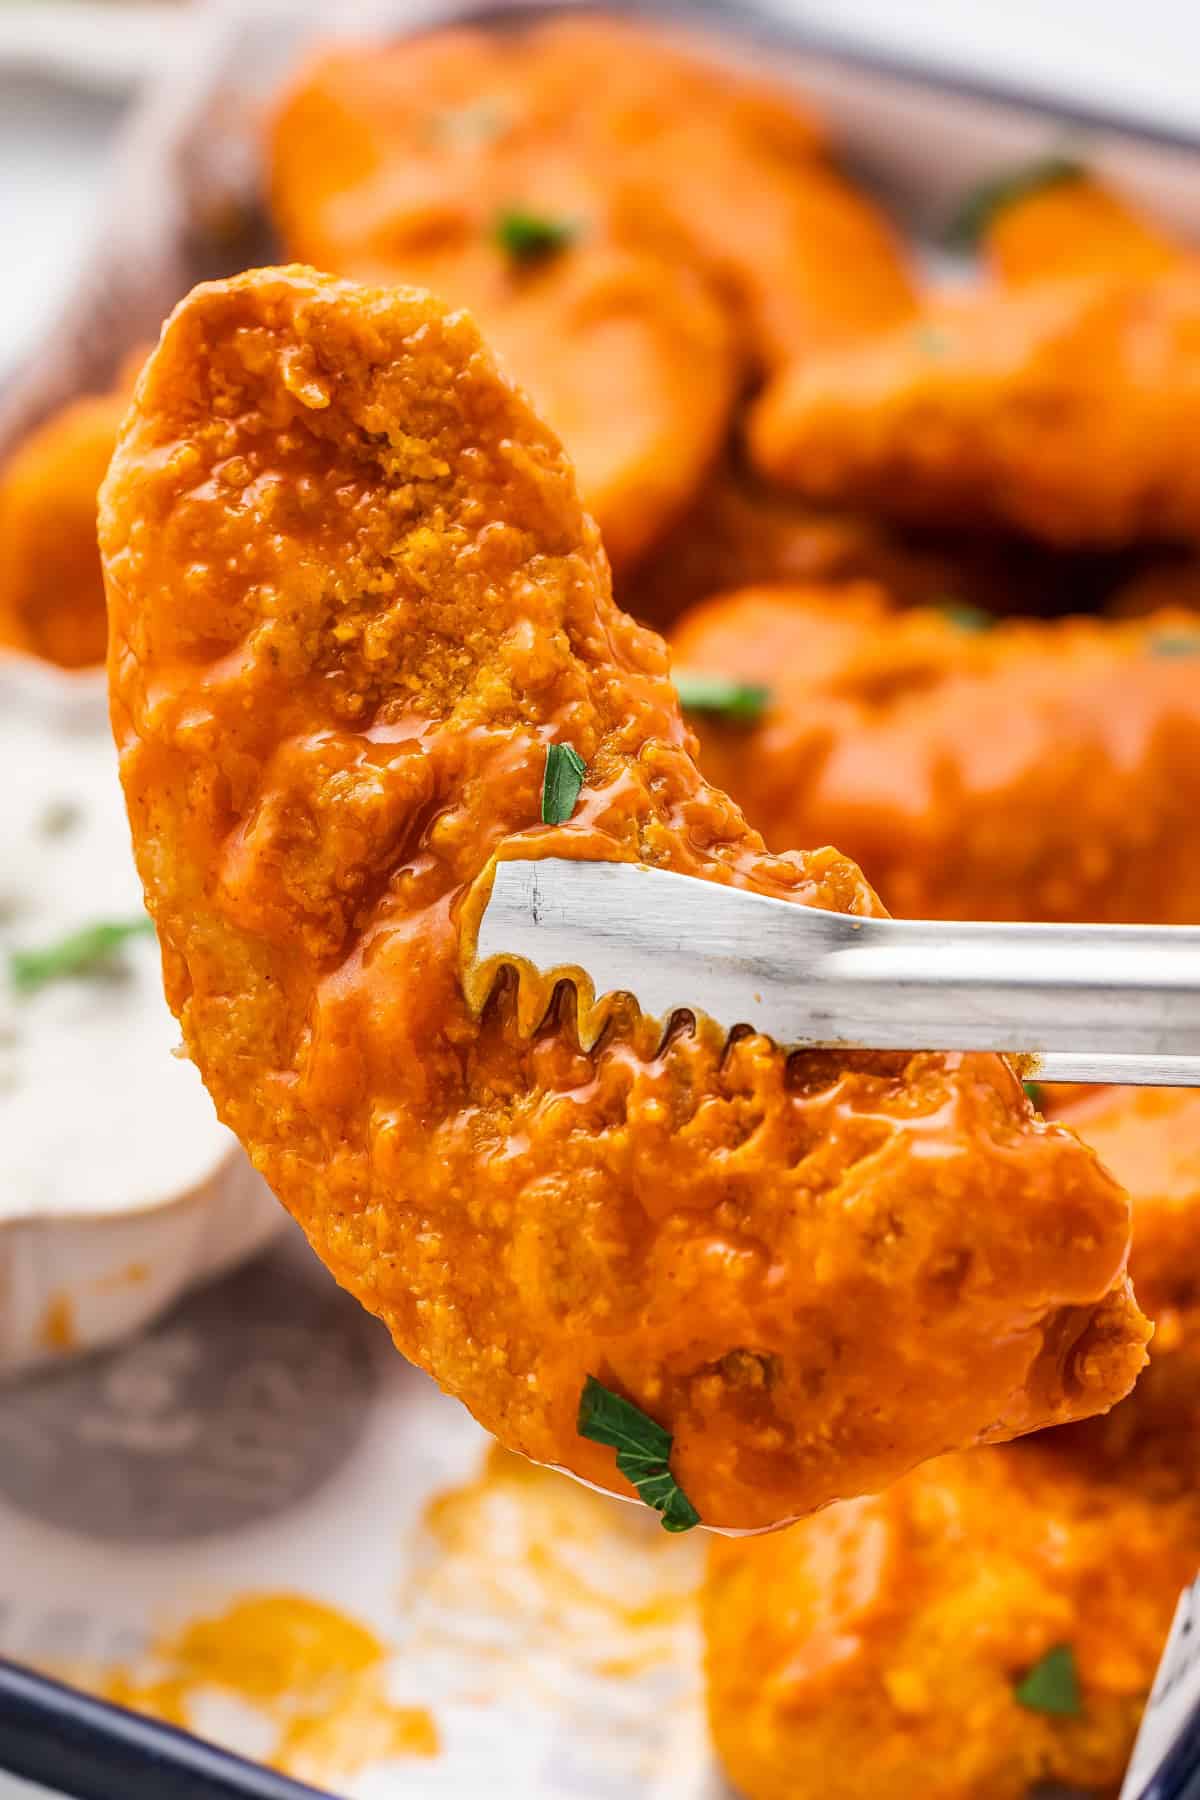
x=355 y=600
x=315 y=1674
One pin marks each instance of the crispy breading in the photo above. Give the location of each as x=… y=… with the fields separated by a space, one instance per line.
x=1066 y=409
x=1033 y=769
x=354 y=599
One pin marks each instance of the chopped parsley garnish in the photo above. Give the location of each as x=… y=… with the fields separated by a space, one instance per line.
x=967 y=618
x=565 y=770
x=980 y=207
x=1171 y=643
x=741 y=702
x=87 y=951
x=529 y=237
x=643 y=1450
x=1036 y=1093
x=1052 y=1685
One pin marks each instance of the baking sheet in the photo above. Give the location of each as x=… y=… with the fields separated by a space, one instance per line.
x=264 y=1438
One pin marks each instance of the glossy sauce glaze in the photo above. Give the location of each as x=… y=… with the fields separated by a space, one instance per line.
x=354 y=599
x=1013 y=769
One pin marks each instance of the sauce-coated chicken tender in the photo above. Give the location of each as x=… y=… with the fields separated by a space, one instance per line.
x=878 y=1649
x=903 y=1625
x=1074 y=226
x=354 y=599
x=51 y=588
x=1068 y=410
x=1033 y=770
x=1150 y=1139
x=700 y=234
x=400 y=163
x=383 y=152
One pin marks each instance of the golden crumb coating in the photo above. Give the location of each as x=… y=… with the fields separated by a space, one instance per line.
x=51 y=589
x=1036 y=769
x=353 y=600
x=1075 y=226
x=1066 y=409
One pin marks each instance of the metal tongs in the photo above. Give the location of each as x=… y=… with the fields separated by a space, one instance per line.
x=1094 y=1003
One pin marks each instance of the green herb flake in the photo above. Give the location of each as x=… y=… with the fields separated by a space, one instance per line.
x=88 y=951
x=1175 y=644
x=982 y=205
x=565 y=770
x=1036 y=1093
x=1052 y=1685
x=643 y=1451
x=967 y=618
x=740 y=702
x=528 y=237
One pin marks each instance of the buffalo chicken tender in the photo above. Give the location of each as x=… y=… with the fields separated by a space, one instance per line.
x=380 y=153
x=1150 y=1139
x=904 y=1625
x=883 y=1647
x=1067 y=410
x=1074 y=225
x=51 y=589
x=1030 y=770
x=354 y=602
x=438 y=162
x=635 y=229
x=632 y=362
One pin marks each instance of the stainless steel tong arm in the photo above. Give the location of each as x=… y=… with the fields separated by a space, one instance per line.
x=1091 y=1002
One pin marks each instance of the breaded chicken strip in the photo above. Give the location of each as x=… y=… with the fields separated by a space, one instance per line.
x=51 y=589
x=882 y=1648
x=354 y=602
x=1150 y=1139
x=382 y=152
x=1067 y=410
x=1074 y=225
x=1030 y=770
x=635 y=229
x=904 y=1625
x=465 y=163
